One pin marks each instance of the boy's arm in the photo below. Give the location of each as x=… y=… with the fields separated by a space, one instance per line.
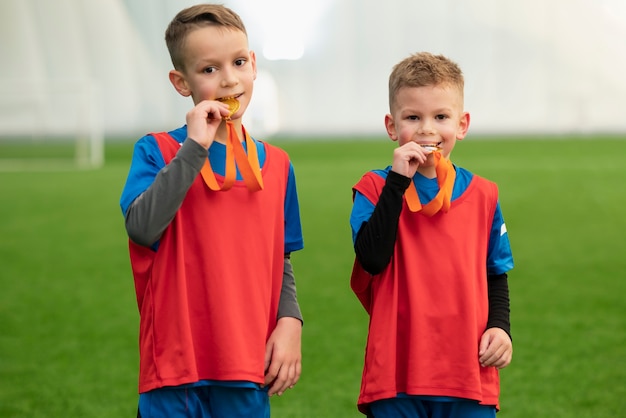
x=376 y=239
x=288 y=304
x=499 y=261
x=496 y=347
x=283 y=353
x=499 y=303
x=153 y=210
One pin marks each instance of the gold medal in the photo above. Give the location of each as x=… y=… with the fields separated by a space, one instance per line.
x=233 y=105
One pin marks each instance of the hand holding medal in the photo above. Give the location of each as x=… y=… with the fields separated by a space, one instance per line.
x=236 y=157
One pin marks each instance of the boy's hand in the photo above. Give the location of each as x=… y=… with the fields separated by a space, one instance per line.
x=495 y=349
x=203 y=121
x=407 y=158
x=283 y=356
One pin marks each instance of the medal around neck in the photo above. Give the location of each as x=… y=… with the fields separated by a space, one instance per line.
x=445 y=180
x=236 y=157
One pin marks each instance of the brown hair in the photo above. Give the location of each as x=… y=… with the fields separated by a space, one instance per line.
x=424 y=69
x=192 y=18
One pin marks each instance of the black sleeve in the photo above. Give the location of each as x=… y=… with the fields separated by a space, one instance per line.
x=288 y=304
x=376 y=239
x=499 y=303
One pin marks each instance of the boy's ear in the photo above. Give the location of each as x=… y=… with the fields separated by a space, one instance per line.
x=391 y=127
x=253 y=62
x=463 y=126
x=180 y=83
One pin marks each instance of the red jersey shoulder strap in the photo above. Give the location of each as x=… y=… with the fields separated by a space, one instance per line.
x=167 y=144
x=370 y=185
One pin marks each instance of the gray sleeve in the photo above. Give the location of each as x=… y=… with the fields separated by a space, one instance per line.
x=288 y=305
x=153 y=210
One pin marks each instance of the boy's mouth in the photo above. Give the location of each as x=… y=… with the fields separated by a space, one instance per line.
x=431 y=147
x=225 y=98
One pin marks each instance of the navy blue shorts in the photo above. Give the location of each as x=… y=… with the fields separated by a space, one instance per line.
x=212 y=401
x=429 y=407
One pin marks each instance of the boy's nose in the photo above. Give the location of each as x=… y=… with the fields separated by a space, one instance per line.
x=425 y=128
x=228 y=79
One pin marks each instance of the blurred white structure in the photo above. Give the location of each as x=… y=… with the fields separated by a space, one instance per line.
x=531 y=66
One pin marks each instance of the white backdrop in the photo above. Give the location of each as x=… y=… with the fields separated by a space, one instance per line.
x=531 y=66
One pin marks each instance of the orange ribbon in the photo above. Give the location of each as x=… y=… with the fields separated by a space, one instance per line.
x=445 y=179
x=236 y=157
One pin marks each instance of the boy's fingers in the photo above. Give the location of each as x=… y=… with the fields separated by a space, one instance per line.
x=286 y=378
x=270 y=375
x=496 y=356
x=484 y=344
x=278 y=385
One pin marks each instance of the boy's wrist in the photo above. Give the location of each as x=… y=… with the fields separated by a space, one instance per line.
x=398 y=181
x=293 y=319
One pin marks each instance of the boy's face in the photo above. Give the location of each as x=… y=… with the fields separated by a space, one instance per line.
x=218 y=64
x=428 y=115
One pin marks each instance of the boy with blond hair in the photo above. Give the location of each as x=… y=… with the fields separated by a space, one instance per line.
x=432 y=256
x=212 y=217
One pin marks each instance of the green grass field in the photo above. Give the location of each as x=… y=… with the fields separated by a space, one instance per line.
x=68 y=318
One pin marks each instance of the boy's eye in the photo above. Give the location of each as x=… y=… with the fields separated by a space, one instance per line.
x=413 y=117
x=239 y=62
x=441 y=117
x=209 y=70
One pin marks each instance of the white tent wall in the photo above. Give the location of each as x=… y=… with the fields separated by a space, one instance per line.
x=531 y=66
x=74 y=45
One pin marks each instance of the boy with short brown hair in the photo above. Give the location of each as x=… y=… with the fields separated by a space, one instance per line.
x=432 y=256
x=212 y=215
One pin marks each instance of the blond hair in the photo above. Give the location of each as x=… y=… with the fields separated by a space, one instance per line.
x=424 y=69
x=192 y=18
